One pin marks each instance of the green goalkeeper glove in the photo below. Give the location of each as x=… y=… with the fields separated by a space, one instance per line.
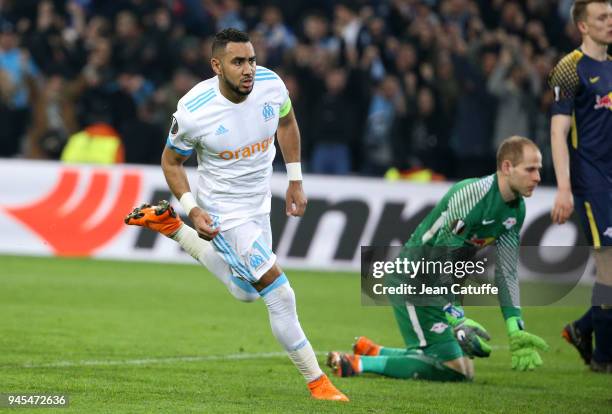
x=471 y=335
x=524 y=346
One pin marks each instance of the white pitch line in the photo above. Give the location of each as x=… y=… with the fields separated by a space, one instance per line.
x=170 y=360
x=164 y=360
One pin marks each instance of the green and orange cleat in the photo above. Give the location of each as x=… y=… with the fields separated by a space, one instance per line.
x=343 y=365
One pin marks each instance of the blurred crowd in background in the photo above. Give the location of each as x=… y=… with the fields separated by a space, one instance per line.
x=375 y=84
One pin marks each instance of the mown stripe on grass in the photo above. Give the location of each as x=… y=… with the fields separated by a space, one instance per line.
x=170 y=360
x=162 y=360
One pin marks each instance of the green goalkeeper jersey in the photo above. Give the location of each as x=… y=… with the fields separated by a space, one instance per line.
x=470 y=216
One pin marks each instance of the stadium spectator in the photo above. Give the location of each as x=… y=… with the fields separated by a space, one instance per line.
x=473 y=124
x=516 y=85
x=278 y=37
x=17 y=77
x=386 y=105
x=424 y=136
x=332 y=118
x=98 y=94
x=53 y=118
x=99 y=143
x=129 y=42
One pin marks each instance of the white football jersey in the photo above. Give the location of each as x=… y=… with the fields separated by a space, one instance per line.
x=234 y=144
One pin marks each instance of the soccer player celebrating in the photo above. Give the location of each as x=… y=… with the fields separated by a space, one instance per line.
x=230 y=121
x=582 y=87
x=440 y=340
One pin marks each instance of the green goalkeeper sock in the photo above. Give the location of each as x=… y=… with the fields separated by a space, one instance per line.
x=385 y=351
x=413 y=366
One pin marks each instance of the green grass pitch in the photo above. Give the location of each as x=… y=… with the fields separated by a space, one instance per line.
x=121 y=337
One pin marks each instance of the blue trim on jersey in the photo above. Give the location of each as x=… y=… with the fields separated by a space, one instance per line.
x=300 y=345
x=267 y=248
x=232 y=258
x=185 y=153
x=192 y=101
x=243 y=284
x=280 y=280
x=265 y=74
x=202 y=102
x=261 y=249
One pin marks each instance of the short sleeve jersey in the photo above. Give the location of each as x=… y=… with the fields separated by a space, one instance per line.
x=582 y=89
x=234 y=144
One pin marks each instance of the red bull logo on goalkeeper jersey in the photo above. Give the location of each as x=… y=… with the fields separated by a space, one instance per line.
x=480 y=241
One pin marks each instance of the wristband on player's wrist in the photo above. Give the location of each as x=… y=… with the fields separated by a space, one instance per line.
x=188 y=202
x=294 y=171
x=454 y=314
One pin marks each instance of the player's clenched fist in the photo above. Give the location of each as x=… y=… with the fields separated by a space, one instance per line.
x=295 y=199
x=203 y=224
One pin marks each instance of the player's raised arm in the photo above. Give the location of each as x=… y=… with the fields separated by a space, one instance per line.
x=564 y=201
x=288 y=135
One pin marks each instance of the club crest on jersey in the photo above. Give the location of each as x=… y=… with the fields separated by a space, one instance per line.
x=438 y=327
x=509 y=223
x=268 y=112
x=256 y=261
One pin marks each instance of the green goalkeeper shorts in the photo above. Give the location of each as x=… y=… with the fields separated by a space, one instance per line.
x=426 y=328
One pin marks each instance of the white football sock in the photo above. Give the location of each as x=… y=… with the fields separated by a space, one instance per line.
x=280 y=300
x=204 y=252
x=306 y=362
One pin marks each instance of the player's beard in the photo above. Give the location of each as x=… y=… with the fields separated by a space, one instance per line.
x=236 y=88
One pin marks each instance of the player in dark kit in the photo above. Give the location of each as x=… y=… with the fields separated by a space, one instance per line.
x=582 y=86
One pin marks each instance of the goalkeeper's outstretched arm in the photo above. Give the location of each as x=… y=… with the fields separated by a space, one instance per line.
x=523 y=345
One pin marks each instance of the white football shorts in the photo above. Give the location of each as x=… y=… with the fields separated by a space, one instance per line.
x=247 y=248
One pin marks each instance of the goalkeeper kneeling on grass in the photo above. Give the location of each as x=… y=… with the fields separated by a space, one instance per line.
x=440 y=340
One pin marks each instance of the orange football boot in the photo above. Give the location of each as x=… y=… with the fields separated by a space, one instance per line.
x=161 y=218
x=323 y=389
x=343 y=365
x=365 y=346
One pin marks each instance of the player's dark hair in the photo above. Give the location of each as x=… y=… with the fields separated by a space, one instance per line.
x=511 y=149
x=579 y=9
x=226 y=36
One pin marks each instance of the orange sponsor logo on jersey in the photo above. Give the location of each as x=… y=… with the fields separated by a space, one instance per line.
x=247 y=151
